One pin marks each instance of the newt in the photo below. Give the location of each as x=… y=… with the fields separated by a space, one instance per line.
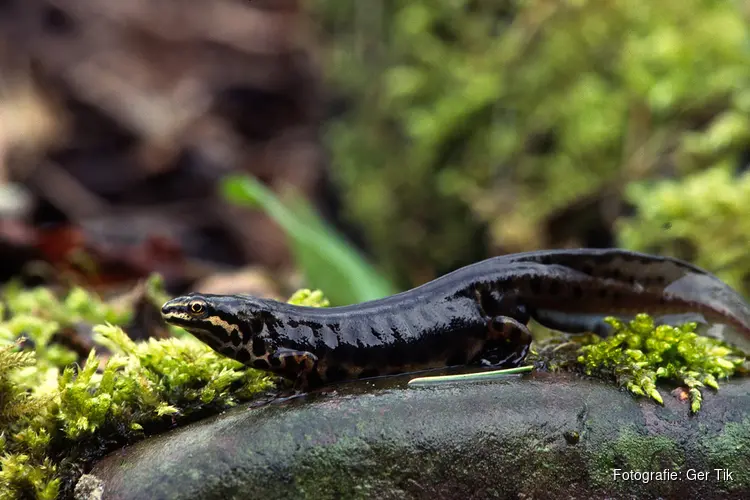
x=477 y=315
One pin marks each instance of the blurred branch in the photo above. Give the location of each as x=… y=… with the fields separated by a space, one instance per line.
x=65 y=192
x=256 y=31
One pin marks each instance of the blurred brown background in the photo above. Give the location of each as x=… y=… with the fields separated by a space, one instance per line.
x=430 y=135
x=118 y=118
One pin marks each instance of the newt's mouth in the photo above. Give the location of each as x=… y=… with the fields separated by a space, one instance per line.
x=174 y=307
x=176 y=319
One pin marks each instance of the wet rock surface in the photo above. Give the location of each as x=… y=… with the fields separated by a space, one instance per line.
x=539 y=436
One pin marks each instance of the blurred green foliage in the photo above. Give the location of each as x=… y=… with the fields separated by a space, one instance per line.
x=472 y=122
x=704 y=218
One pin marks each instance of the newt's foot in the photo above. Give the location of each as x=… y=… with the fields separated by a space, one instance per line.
x=508 y=343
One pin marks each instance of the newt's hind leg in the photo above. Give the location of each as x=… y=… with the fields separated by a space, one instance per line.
x=295 y=365
x=508 y=342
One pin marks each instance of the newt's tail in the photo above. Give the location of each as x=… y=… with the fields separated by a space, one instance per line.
x=676 y=280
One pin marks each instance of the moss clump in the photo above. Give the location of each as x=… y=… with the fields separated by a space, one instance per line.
x=639 y=353
x=309 y=298
x=729 y=451
x=30 y=470
x=57 y=416
x=633 y=450
x=702 y=218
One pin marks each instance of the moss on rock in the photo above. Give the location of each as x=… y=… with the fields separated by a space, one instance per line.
x=639 y=353
x=632 y=450
x=480 y=440
x=57 y=416
x=730 y=450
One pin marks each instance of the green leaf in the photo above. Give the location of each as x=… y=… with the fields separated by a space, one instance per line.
x=328 y=261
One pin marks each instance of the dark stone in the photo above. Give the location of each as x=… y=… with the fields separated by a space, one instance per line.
x=540 y=436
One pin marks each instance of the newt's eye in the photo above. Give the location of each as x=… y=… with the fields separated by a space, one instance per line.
x=197 y=307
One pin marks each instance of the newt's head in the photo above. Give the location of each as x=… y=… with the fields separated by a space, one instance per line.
x=229 y=324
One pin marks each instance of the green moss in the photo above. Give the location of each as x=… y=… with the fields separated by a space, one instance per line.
x=57 y=416
x=638 y=354
x=731 y=451
x=309 y=298
x=631 y=450
x=28 y=470
x=320 y=482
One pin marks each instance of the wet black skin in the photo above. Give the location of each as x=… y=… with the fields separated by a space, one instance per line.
x=443 y=326
x=473 y=315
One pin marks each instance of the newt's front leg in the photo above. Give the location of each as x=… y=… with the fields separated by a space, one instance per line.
x=508 y=342
x=508 y=337
x=299 y=366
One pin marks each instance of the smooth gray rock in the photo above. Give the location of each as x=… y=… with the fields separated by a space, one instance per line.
x=540 y=436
